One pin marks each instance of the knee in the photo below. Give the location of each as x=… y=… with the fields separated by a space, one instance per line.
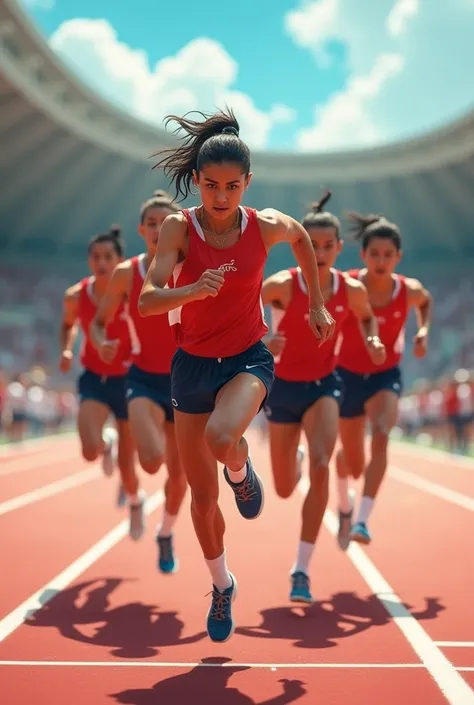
x=319 y=469
x=219 y=441
x=380 y=433
x=202 y=504
x=90 y=452
x=284 y=488
x=349 y=466
x=150 y=461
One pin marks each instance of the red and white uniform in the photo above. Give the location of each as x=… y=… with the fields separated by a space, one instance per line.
x=232 y=321
x=302 y=359
x=153 y=344
x=353 y=355
x=117 y=329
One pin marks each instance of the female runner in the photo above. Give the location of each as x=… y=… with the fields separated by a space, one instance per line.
x=102 y=385
x=149 y=382
x=372 y=392
x=222 y=371
x=307 y=391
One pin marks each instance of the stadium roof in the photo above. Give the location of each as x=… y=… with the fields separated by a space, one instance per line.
x=71 y=163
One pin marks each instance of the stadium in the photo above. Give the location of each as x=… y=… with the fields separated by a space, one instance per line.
x=122 y=502
x=72 y=164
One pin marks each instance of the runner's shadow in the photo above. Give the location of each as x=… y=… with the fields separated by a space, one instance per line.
x=207 y=685
x=134 y=630
x=323 y=624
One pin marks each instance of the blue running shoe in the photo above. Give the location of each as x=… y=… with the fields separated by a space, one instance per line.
x=121 y=497
x=220 y=624
x=360 y=533
x=300 y=591
x=249 y=496
x=166 y=560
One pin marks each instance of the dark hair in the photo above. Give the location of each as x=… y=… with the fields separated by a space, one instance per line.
x=213 y=140
x=318 y=218
x=113 y=235
x=365 y=227
x=159 y=199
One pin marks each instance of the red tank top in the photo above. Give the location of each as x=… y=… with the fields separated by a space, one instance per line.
x=302 y=360
x=117 y=329
x=353 y=355
x=232 y=321
x=153 y=344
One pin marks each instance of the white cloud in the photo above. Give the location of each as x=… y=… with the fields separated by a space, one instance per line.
x=199 y=77
x=416 y=91
x=41 y=4
x=400 y=14
x=344 y=120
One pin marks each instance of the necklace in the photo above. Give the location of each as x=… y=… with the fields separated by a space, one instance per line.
x=220 y=239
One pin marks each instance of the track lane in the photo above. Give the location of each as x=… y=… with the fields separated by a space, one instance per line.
x=121 y=609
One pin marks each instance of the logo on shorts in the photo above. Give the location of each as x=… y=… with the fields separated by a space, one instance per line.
x=229 y=266
x=129 y=392
x=174 y=402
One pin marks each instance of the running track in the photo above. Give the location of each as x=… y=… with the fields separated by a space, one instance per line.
x=86 y=618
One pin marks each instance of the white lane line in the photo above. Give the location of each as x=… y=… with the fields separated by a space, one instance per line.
x=452 y=685
x=42 y=596
x=456 y=644
x=67 y=483
x=10 y=451
x=36 y=463
x=185 y=664
x=421 y=483
x=440 y=456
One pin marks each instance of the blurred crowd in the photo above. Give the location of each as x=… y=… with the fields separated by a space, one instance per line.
x=35 y=398
x=30 y=406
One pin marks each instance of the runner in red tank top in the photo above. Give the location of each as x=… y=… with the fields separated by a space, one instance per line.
x=102 y=384
x=222 y=372
x=149 y=380
x=307 y=390
x=372 y=392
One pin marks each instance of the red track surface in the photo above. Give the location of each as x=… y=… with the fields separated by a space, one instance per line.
x=123 y=633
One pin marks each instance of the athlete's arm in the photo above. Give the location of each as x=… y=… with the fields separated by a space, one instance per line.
x=171 y=249
x=359 y=304
x=421 y=300
x=68 y=330
x=277 y=227
x=117 y=290
x=276 y=292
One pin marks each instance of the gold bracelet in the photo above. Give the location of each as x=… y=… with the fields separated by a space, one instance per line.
x=317 y=310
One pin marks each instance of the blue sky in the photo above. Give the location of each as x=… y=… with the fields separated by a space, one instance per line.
x=307 y=75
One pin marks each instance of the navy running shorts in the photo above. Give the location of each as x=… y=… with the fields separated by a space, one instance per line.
x=196 y=381
x=289 y=401
x=151 y=385
x=358 y=389
x=110 y=391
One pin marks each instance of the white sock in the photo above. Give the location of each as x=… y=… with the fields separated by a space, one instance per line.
x=167 y=523
x=365 y=508
x=136 y=499
x=300 y=455
x=219 y=573
x=345 y=504
x=305 y=551
x=239 y=476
